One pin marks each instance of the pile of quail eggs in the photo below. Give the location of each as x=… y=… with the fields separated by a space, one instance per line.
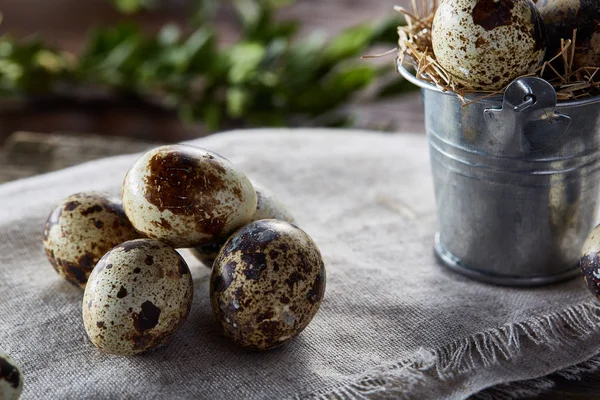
x=267 y=279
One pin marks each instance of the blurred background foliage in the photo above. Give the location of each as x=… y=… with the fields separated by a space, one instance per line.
x=269 y=77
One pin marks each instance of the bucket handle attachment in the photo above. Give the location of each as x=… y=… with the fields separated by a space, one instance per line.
x=528 y=121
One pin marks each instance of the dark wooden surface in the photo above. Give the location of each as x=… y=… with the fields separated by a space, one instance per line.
x=65 y=22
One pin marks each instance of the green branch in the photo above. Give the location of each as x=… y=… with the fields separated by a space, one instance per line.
x=269 y=78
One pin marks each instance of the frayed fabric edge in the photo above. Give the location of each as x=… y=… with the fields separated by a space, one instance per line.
x=401 y=380
x=537 y=386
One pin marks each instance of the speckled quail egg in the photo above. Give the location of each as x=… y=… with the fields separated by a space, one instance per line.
x=187 y=196
x=561 y=17
x=81 y=229
x=267 y=207
x=486 y=44
x=11 y=378
x=267 y=283
x=137 y=296
x=590 y=261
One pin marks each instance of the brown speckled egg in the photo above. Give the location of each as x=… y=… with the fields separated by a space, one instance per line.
x=590 y=262
x=486 y=44
x=267 y=284
x=11 y=378
x=81 y=230
x=137 y=296
x=561 y=17
x=267 y=207
x=187 y=196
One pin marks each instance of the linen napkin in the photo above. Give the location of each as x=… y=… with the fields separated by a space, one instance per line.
x=394 y=323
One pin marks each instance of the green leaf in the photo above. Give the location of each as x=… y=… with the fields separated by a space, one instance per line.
x=276 y=49
x=200 y=48
x=302 y=61
x=119 y=54
x=352 y=78
x=249 y=12
x=103 y=40
x=212 y=116
x=258 y=20
x=174 y=59
x=187 y=113
x=280 y=3
x=49 y=60
x=285 y=29
x=244 y=61
x=350 y=43
x=334 y=90
x=6 y=48
x=204 y=10
x=237 y=100
x=169 y=35
x=133 y=6
x=10 y=70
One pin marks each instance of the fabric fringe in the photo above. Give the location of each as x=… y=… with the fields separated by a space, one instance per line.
x=515 y=390
x=402 y=380
x=535 y=387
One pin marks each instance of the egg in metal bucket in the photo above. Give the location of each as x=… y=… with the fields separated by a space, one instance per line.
x=561 y=17
x=486 y=44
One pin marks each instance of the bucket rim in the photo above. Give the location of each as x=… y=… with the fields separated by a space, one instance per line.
x=409 y=76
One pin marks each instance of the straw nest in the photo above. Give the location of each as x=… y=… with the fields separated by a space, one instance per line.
x=415 y=47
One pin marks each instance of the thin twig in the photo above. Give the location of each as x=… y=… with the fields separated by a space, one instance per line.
x=387 y=53
x=573 y=49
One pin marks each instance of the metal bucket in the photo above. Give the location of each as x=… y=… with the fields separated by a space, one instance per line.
x=517 y=180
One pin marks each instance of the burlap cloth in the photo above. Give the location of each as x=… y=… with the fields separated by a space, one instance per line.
x=393 y=324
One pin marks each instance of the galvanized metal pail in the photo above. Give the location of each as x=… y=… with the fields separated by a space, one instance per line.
x=516 y=178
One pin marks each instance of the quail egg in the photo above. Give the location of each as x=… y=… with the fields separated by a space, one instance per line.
x=11 y=378
x=80 y=230
x=267 y=283
x=486 y=44
x=590 y=261
x=187 y=196
x=561 y=17
x=137 y=296
x=267 y=207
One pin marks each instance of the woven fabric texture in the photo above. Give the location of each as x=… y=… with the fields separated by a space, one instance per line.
x=394 y=323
